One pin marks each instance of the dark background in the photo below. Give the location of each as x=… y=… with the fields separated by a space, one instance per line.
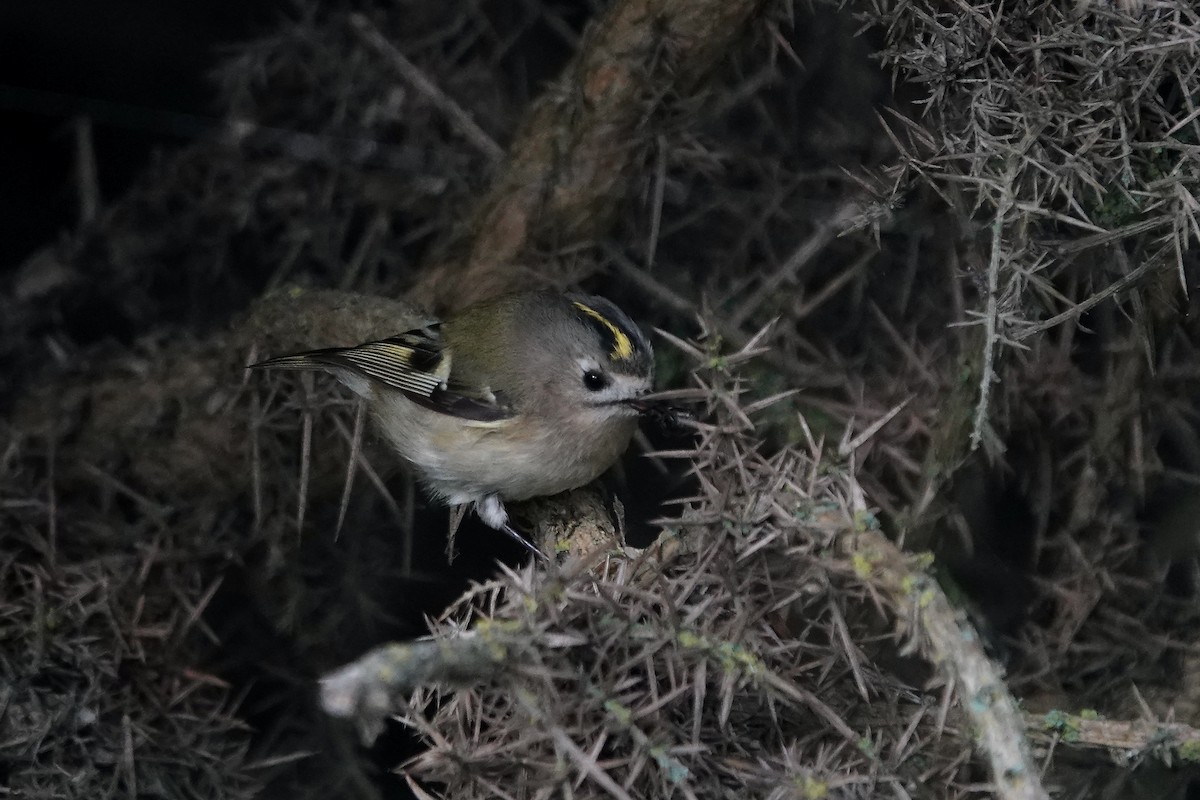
x=137 y=68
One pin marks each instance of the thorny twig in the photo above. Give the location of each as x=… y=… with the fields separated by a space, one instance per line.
x=956 y=649
x=458 y=116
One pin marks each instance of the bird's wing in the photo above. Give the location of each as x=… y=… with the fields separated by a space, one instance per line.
x=415 y=363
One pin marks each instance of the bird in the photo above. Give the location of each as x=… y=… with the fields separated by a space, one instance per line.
x=518 y=396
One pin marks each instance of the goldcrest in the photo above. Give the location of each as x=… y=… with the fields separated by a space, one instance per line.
x=520 y=396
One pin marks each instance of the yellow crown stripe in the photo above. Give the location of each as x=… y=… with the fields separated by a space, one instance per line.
x=623 y=347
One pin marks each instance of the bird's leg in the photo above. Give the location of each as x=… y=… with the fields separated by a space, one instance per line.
x=491 y=510
x=521 y=540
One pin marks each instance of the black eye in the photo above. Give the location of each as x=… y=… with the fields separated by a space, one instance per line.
x=594 y=381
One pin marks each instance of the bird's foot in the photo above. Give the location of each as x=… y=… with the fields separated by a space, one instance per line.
x=491 y=510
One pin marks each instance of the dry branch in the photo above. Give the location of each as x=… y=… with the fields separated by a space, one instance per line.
x=956 y=650
x=374 y=686
x=1123 y=740
x=462 y=121
x=573 y=154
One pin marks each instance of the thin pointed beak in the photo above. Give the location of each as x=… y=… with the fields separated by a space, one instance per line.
x=640 y=404
x=661 y=412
